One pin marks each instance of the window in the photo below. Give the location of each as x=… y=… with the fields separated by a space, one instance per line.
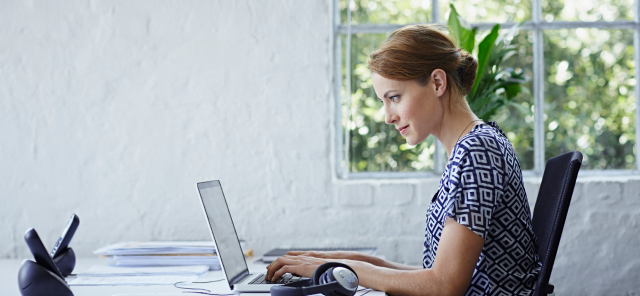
x=579 y=54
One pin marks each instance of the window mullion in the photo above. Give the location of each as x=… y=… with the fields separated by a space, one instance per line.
x=538 y=90
x=347 y=133
x=527 y=25
x=435 y=11
x=338 y=80
x=438 y=155
x=339 y=141
x=336 y=71
x=636 y=58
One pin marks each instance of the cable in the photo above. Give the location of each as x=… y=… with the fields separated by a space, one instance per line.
x=364 y=289
x=199 y=290
x=176 y=285
x=205 y=293
x=208 y=292
x=208 y=281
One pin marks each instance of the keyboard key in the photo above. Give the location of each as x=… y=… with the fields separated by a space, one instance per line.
x=284 y=279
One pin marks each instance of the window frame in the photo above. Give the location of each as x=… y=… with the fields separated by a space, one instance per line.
x=536 y=25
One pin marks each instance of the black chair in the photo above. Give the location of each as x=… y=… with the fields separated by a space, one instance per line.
x=551 y=208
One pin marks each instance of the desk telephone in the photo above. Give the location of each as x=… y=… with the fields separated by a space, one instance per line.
x=46 y=275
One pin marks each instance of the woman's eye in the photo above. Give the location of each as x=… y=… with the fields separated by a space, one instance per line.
x=394 y=98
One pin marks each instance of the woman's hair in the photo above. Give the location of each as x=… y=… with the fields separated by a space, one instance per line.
x=413 y=52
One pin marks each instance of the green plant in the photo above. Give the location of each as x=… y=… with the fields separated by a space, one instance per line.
x=495 y=86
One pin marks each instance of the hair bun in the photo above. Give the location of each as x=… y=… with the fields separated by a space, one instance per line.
x=467 y=72
x=413 y=52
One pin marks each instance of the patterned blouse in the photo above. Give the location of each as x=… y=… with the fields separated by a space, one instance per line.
x=482 y=189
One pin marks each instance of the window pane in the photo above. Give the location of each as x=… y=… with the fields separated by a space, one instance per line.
x=375 y=146
x=488 y=11
x=516 y=120
x=386 y=11
x=587 y=10
x=589 y=96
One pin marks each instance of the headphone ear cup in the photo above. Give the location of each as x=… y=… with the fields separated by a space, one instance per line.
x=321 y=269
x=327 y=276
x=324 y=275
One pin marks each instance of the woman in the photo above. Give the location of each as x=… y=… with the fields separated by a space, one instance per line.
x=479 y=239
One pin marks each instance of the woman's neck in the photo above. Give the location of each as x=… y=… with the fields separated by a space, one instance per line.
x=455 y=125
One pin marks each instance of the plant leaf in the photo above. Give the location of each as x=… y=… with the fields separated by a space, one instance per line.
x=460 y=27
x=454 y=22
x=522 y=109
x=484 y=51
x=470 y=41
x=512 y=90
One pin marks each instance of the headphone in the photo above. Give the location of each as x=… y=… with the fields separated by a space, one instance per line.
x=330 y=279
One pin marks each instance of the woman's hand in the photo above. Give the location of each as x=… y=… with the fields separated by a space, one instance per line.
x=351 y=255
x=300 y=265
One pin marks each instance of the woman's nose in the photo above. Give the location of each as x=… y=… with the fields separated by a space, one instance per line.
x=389 y=117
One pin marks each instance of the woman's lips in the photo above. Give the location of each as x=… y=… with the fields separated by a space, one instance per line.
x=403 y=129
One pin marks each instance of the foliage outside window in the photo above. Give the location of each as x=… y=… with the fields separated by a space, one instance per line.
x=587 y=86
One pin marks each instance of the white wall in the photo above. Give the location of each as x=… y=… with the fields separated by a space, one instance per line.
x=115 y=109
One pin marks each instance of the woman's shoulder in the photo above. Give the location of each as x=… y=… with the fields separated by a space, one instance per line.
x=484 y=140
x=484 y=136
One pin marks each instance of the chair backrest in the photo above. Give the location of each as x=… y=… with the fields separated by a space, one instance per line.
x=550 y=212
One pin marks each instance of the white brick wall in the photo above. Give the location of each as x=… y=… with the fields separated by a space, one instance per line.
x=115 y=109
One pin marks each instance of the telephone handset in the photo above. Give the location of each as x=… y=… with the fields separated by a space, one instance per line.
x=41 y=277
x=65 y=238
x=40 y=252
x=62 y=255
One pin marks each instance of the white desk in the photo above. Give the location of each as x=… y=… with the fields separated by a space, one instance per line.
x=9 y=282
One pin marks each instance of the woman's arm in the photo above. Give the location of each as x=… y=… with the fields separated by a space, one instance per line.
x=458 y=253
x=354 y=256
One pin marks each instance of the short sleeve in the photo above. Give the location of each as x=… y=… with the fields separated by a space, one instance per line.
x=475 y=185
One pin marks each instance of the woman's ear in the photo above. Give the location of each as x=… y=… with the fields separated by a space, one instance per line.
x=439 y=78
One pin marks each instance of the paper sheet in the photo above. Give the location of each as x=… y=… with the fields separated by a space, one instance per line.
x=130 y=280
x=169 y=260
x=149 y=294
x=101 y=270
x=160 y=247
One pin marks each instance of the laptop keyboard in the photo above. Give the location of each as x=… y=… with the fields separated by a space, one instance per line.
x=285 y=279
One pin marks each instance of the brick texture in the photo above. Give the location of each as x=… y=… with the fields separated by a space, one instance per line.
x=115 y=109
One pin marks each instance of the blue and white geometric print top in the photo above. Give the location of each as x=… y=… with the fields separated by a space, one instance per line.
x=482 y=189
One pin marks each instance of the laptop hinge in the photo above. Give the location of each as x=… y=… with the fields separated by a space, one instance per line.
x=240 y=277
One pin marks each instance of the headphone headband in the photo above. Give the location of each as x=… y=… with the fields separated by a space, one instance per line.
x=326 y=266
x=318 y=284
x=324 y=288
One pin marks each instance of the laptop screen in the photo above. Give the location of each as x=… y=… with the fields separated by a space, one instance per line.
x=222 y=229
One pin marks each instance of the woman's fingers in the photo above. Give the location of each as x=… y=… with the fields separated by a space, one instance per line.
x=299 y=265
x=296 y=253
x=317 y=254
x=293 y=259
x=271 y=268
x=278 y=273
x=277 y=265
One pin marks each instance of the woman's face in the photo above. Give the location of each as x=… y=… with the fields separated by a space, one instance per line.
x=416 y=111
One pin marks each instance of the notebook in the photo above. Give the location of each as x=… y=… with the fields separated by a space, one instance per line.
x=227 y=243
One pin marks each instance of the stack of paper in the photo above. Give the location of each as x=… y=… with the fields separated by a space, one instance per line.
x=169 y=253
x=168 y=247
x=101 y=270
x=112 y=275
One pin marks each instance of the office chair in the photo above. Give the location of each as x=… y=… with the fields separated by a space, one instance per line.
x=550 y=211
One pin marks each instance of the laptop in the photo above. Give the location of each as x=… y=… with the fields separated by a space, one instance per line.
x=227 y=243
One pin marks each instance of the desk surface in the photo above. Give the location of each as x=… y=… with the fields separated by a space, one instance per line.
x=9 y=282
